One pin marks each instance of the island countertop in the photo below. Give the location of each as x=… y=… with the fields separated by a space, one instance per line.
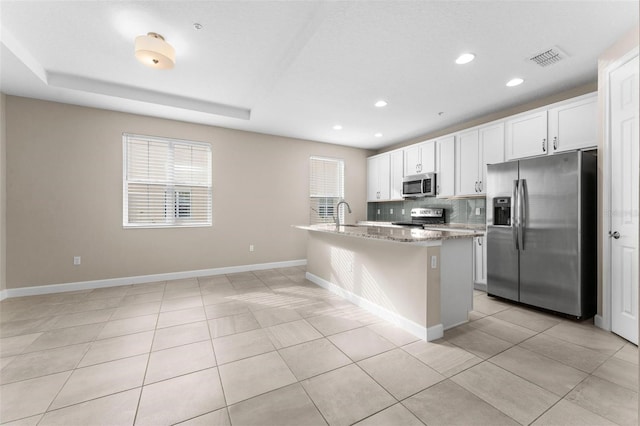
x=390 y=233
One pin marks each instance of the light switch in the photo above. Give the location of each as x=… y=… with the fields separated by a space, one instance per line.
x=390 y=211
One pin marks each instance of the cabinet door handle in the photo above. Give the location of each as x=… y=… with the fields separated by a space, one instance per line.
x=480 y=186
x=555 y=143
x=480 y=241
x=544 y=145
x=476 y=186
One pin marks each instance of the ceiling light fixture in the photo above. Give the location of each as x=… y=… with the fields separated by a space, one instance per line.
x=465 y=58
x=153 y=51
x=381 y=103
x=337 y=127
x=378 y=135
x=515 y=82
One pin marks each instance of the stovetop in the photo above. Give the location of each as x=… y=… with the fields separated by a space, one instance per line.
x=424 y=216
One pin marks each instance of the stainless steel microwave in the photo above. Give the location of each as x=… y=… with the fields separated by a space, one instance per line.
x=423 y=185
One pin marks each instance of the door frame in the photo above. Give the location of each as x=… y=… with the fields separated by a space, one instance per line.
x=604 y=321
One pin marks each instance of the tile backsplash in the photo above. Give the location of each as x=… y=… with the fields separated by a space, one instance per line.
x=456 y=211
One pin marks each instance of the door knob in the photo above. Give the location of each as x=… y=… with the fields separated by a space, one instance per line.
x=614 y=234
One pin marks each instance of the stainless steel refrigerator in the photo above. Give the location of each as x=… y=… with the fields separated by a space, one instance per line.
x=541 y=232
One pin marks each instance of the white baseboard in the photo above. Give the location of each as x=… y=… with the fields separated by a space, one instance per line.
x=141 y=279
x=599 y=322
x=428 y=334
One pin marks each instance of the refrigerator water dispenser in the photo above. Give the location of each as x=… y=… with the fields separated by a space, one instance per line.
x=502 y=211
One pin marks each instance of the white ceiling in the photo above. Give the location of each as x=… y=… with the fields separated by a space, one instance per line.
x=299 y=67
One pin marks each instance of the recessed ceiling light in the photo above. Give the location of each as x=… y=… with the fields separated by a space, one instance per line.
x=378 y=135
x=515 y=82
x=337 y=127
x=465 y=58
x=381 y=103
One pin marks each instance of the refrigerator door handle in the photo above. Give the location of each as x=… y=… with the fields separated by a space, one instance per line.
x=522 y=212
x=514 y=214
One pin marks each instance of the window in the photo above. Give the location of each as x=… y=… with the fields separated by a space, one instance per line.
x=326 y=188
x=166 y=183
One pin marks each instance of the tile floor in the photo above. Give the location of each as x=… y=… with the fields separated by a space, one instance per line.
x=270 y=348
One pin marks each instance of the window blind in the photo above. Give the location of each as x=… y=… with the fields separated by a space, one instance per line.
x=166 y=182
x=326 y=189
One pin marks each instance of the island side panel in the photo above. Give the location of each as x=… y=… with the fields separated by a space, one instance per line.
x=456 y=281
x=393 y=276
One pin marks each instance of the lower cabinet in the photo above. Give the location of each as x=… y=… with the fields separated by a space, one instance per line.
x=479 y=263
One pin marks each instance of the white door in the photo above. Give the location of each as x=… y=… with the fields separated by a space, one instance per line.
x=623 y=91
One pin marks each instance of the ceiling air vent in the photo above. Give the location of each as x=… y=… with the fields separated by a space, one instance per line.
x=548 y=56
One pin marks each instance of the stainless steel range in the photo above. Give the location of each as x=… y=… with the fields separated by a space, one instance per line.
x=424 y=216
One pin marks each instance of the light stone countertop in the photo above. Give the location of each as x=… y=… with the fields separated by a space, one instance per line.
x=481 y=229
x=399 y=234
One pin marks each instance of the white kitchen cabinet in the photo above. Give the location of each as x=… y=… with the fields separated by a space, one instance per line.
x=467 y=163
x=420 y=158
x=445 y=166
x=475 y=149
x=378 y=178
x=491 y=146
x=526 y=135
x=479 y=263
x=397 y=173
x=574 y=125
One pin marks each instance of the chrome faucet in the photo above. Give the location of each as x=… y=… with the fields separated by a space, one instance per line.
x=338 y=210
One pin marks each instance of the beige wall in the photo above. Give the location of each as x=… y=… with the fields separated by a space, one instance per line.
x=623 y=46
x=577 y=91
x=3 y=194
x=64 y=196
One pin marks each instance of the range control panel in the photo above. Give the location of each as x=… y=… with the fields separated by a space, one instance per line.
x=424 y=212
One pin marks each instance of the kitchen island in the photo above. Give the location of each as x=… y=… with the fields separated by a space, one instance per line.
x=421 y=280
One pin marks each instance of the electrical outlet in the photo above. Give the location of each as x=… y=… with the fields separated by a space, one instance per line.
x=251 y=248
x=434 y=262
x=77 y=260
x=390 y=211
x=378 y=211
x=478 y=211
x=402 y=211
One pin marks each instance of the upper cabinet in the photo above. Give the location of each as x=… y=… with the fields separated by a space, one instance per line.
x=378 y=178
x=420 y=158
x=475 y=149
x=397 y=173
x=574 y=125
x=384 y=176
x=468 y=163
x=568 y=126
x=492 y=149
x=461 y=160
x=526 y=135
x=445 y=166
